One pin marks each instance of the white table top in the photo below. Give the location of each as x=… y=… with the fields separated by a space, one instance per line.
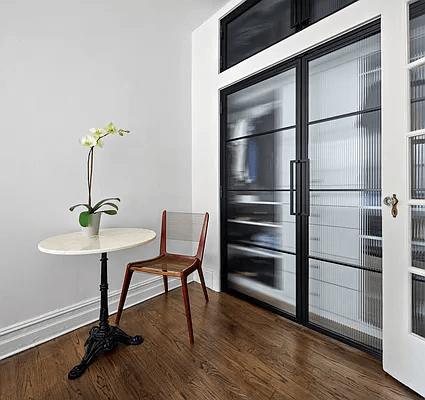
x=113 y=239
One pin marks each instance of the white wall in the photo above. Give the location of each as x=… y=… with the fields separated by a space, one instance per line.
x=207 y=82
x=65 y=67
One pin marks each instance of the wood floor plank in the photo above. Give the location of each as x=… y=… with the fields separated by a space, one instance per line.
x=241 y=352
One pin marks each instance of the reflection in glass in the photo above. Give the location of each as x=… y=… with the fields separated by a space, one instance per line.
x=417 y=96
x=265 y=275
x=346 y=80
x=417 y=30
x=264 y=24
x=418 y=305
x=418 y=236
x=417 y=166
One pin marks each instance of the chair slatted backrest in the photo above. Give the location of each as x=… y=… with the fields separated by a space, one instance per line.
x=191 y=227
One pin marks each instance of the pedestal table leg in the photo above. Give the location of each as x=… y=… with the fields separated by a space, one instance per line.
x=103 y=337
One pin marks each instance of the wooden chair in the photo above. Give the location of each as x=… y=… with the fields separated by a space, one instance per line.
x=175 y=226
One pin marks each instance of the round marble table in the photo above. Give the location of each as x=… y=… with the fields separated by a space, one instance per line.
x=103 y=337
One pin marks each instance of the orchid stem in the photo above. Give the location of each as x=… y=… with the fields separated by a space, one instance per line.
x=90 y=172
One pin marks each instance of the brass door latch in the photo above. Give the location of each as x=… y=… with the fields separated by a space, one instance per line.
x=392 y=201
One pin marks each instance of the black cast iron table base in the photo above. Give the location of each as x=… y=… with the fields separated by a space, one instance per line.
x=102 y=338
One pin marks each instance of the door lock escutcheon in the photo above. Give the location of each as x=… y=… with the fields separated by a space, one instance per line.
x=392 y=201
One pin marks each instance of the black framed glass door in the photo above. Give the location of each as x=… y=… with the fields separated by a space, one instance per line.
x=260 y=140
x=301 y=189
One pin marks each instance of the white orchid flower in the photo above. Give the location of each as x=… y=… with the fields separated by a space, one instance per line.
x=99 y=143
x=88 y=141
x=110 y=128
x=97 y=133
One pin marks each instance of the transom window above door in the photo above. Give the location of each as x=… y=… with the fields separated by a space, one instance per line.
x=258 y=24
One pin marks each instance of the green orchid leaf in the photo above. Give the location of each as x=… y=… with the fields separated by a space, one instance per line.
x=77 y=205
x=108 y=204
x=96 y=207
x=110 y=212
x=84 y=219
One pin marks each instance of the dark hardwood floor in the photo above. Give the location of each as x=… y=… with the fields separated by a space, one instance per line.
x=240 y=352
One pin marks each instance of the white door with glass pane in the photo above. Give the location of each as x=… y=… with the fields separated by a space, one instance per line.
x=403 y=111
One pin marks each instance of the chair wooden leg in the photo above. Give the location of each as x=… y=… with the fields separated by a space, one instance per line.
x=165 y=283
x=124 y=290
x=187 y=307
x=201 y=278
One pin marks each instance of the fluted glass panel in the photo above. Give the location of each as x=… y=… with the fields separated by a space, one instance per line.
x=417 y=167
x=346 y=80
x=417 y=30
x=417 y=95
x=262 y=25
x=262 y=219
x=261 y=162
x=346 y=227
x=263 y=107
x=265 y=275
x=418 y=305
x=345 y=153
x=418 y=236
x=322 y=8
x=346 y=300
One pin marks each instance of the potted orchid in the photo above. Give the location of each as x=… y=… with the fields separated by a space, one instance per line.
x=90 y=219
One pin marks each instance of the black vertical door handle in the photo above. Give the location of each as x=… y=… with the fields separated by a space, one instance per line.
x=291 y=186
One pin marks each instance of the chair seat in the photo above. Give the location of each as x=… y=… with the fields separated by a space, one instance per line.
x=168 y=265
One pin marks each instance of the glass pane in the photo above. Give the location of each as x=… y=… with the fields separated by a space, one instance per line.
x=346 y=227
x=347 y=301
x=417 y=30
x=262 y=107
x=263 y=274
x=418 y=305
x=261 y=218
x=345 y=153
x=418 y=236
x=322 y=8
x=260 y=162
x=417 y=96
x=264 y=24
x=346 y=80
x=417 y=167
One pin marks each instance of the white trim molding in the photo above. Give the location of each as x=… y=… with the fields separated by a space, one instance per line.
x=30 y=333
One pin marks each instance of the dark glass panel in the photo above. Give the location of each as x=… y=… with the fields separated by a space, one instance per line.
x=322 y=8
x=264 y=24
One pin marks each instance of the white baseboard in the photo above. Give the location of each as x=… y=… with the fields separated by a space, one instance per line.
x=30 y=333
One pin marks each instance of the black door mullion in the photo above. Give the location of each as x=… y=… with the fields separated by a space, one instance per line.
x=303 y=188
